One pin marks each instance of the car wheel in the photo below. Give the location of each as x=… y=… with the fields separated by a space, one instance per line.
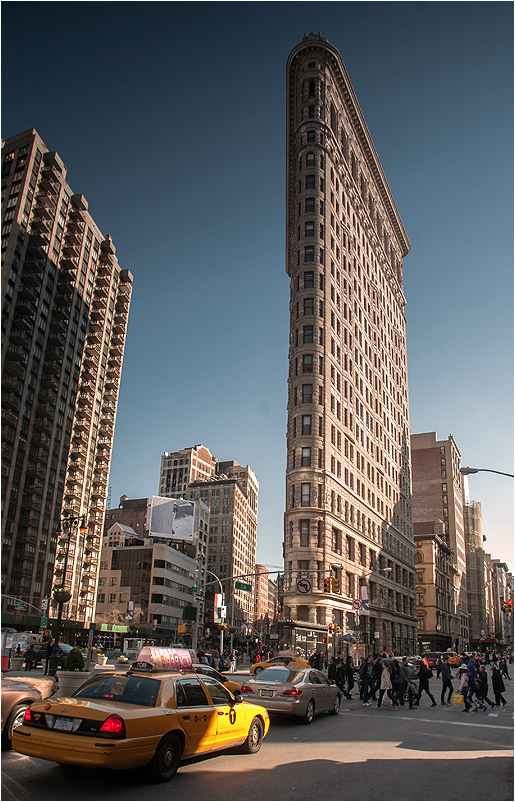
x=166 y=760
x=336 y=706
x=254 y=738
x=307 y=718
x=258 y=670
x=14 y=720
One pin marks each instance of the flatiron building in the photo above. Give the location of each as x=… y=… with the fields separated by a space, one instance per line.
x=348 y=522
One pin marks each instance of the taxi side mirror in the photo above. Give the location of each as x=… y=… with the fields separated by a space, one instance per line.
x=238 y=698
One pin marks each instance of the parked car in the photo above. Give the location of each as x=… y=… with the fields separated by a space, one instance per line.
x=292 y=691
x=40 y=649
x=202 y=668
x=16 y=697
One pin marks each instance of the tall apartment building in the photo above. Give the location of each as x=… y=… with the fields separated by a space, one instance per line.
x=65 y=310
x=230 y=492
x=476 y=570
x=348 y=487
x=437 y=495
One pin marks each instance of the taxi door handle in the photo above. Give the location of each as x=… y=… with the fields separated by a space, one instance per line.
x=186 y=718
x=221 y=713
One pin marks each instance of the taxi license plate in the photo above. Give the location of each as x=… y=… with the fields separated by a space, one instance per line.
x=267 y=693
x=63 y=724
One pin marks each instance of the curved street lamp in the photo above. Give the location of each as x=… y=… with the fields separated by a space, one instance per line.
x=466 y=471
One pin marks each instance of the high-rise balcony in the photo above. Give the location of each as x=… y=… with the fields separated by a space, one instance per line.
x=43 y=211
x=40 y=226
x=71 y=250
x=79 y=202
x=14 y=369
x=73 y=237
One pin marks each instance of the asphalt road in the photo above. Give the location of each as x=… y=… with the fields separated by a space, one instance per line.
x=362 y=754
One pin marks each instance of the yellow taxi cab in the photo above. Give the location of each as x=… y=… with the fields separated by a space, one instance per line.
x=454 y=660
x=283 y=659
x=155 y=714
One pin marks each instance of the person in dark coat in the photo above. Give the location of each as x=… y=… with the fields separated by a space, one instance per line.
x=349 y=675
x=331 y=670
x=424 y=675
x=48 y=652
x=482 y=687
x=340 y=678
x=498 y=687
x=30 y=658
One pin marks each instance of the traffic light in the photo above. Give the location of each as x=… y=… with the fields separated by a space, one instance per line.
x=327 y=585
x=335 y=585
x=508 y=606
x=336 y=629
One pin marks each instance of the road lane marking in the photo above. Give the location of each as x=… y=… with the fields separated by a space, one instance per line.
x=446 y=721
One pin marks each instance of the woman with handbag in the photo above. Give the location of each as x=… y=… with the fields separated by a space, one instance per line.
x=386 y=687
x=464 y=686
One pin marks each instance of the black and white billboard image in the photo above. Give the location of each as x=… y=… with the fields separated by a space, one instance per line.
x=172 y=517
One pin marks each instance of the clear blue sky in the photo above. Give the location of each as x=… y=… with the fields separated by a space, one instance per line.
x=170 y=118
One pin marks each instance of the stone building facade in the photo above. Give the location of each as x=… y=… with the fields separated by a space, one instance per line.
x=434 y=566
x=64 y=321
x=348 y=486
x=437 y=495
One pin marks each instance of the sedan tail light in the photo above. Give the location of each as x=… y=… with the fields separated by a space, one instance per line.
x=246 y=689
x=292 y=692
x=113 y=727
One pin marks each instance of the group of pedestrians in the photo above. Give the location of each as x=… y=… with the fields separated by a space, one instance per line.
x=473 y=685
x=382 y=677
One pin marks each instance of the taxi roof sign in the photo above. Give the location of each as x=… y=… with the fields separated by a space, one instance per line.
x=160 y=658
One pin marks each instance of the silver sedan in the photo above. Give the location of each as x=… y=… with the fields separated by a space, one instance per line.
x=300 y=692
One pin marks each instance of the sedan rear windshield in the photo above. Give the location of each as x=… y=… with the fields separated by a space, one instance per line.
x=278 y=675
x=128 y=689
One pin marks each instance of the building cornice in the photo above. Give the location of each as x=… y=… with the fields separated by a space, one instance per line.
x=316 y=43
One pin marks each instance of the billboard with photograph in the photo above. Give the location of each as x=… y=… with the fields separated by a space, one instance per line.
x=172 y=517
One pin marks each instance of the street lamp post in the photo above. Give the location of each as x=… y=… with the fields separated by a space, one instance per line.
x=364 y=576
x=61 y=595
x=222 y=594
x=466 y=471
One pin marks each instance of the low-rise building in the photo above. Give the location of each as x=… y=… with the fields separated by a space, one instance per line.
x=435 y=574
x=146 y=583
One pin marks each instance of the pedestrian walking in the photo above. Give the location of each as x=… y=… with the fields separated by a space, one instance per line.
x=404 y=683
x=367 y=680
x=48 y=652
x=232 y=662
x=30 y=658
x=465 y=686
x=503 y=668
x=438 y=665
x=387 y=687
x=349 y=675
x=498 y=687
x=377 y=673
x=446 y=681
x=424 y=675
x=482 y=688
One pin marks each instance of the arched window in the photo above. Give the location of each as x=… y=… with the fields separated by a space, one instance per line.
x=418 y=557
